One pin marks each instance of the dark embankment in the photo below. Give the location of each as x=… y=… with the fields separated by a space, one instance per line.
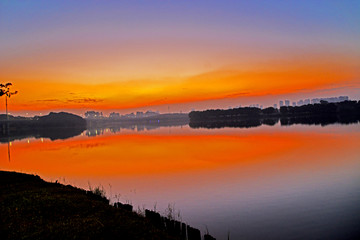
x=31 y=208
x=54 y=126
x=318 y=114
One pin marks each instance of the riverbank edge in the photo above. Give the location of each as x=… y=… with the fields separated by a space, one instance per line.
x=31 y=208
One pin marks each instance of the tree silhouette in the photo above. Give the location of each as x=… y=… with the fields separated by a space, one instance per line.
x=2 y=92
x=5 y=90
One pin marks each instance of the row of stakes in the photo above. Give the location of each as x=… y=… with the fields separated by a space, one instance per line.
x=172 y=227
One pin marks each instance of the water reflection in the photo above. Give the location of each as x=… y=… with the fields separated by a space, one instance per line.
x=95 y=128
x=9 y=144
x=268 y=182
x=284 y=121
x=241 y=123
x=39 y=133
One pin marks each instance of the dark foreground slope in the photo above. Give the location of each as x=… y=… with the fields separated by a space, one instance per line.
x=31 y=208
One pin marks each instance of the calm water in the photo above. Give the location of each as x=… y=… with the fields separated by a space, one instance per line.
x=298 y=182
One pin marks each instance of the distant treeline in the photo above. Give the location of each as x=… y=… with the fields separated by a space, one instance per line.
x=324 y=113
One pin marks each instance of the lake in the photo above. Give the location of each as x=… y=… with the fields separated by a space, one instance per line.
x=267 y=182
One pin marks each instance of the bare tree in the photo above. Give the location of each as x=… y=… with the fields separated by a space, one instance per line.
x=5 y=90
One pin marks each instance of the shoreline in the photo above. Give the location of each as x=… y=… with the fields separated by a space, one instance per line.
x=32 y=208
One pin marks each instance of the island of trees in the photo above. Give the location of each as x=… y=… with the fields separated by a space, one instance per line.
x=323 y=113
x=54 y=126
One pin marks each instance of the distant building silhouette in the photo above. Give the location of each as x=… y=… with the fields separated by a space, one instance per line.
x=93 y=114
x=151 y=113
x=330 y=99
x=114 y=115
x=130 y=115
x=302 y=102
x=139 y=114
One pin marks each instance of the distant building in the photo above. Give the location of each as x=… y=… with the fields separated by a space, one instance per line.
x=150 y=113
x=114 y=115
x=330 y=99
x=130 y=115
x=93 y=115
x=275 y=105
x=139 y=114
x=343 y=98
x=315 y=100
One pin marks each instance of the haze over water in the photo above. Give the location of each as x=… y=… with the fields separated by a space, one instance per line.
x=295 y=182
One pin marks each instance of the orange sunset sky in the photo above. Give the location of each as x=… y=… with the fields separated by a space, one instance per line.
x=176 y=55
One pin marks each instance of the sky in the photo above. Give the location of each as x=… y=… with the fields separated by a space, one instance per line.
x=175 y=56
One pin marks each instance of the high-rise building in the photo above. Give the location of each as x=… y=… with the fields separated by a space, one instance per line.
x=294 y=104
x=287 y=103
x=114 y=115
x=343 y=98
x=281 y=103
x=315 y=100
x=275 y=105
x=330 y=99
x=139 y=114
x=93 y=114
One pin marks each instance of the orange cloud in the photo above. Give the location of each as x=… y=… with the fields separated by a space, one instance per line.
x=280 y=77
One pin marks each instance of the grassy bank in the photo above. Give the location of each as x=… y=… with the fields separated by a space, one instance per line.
x=31 y=208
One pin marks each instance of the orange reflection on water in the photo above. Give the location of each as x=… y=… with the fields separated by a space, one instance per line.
x=136 y=154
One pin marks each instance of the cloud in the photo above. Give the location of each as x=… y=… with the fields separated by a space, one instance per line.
x=48 y=100
x=84 y=100
x=73 y=100
x=235 y=95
